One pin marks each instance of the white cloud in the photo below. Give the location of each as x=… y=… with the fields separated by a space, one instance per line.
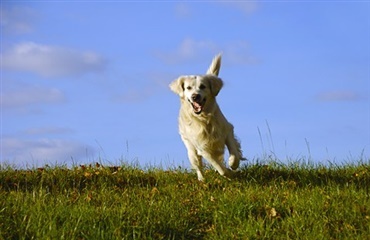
x=51 y=61
x=237 y=52
x=43 y=150
x=335 y=96
x=30 y=95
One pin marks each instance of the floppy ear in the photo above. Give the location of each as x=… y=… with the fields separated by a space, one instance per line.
x=177 y=86
x=215 y=84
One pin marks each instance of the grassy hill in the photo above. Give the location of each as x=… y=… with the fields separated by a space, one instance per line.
x=266 y=201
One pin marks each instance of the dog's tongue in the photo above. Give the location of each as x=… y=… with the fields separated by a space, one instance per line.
x=197 y=107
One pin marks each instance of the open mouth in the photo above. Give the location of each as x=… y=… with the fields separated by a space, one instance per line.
x=198 y=106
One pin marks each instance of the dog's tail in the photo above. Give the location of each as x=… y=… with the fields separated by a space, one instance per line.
x=215 y=66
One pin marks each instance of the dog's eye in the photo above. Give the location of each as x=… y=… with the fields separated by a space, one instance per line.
x=188 y=87
x=202 y=86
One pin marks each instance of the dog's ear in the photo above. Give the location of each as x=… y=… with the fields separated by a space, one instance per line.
x=177 y=86
x=215 y=84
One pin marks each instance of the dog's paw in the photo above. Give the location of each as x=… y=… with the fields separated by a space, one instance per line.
x=234 y=162
x=200 y=176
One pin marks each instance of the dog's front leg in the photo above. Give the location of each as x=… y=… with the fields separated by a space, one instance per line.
x=235 y=151
x=195 y=159
x=196 y=163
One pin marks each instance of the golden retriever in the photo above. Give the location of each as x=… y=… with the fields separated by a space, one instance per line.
x=203 y=128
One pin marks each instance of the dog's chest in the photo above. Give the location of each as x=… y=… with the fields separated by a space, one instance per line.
x=206 y=136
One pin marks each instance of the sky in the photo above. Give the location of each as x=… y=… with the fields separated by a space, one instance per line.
x=87 y=81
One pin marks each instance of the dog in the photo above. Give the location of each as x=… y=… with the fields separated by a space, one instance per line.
x=202 y=126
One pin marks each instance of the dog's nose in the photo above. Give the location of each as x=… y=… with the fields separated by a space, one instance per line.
x=195 y=97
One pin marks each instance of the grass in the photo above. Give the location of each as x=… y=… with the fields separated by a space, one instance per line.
x=266 y=201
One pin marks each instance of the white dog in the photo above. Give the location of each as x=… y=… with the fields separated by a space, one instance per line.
x=203 y=128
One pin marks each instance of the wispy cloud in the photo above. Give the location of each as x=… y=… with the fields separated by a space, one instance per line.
x=188 y=49
x=43 y=150
x=47 y=131
x=182 y=10
x=51 y=61
x=30 y=95
x=237 y=52
x=336 y=96
x=134 y=95
x=141 y=87
x=247 y=7
x=17 y=19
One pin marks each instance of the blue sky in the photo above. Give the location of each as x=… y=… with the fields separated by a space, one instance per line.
x=88 y=81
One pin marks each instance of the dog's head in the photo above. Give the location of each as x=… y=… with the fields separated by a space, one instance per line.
x=198 y=90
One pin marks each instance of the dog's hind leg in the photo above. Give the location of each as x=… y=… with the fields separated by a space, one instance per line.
x=217 y=161
x=233 y=145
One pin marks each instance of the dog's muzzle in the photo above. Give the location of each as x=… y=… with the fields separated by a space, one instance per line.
x=197 y=103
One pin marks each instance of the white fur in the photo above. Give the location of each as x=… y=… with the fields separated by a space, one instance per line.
x=203 y=128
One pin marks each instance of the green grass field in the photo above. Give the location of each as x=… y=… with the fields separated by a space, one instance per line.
x=266 y=201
